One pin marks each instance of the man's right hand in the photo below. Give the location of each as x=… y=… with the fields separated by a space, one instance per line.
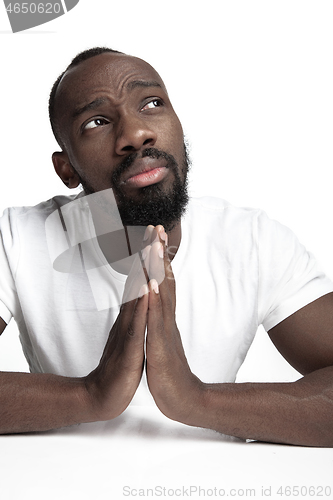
x=42 y=401
x=112 y=385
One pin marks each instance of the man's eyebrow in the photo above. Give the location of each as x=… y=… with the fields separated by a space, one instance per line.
x=142 y=83
x=91 y=105
x=102 y=100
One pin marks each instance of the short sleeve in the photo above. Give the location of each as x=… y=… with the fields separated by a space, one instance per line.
x=8 y=251
x=289 y=276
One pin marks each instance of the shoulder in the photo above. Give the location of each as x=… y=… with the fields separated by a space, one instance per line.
x=18 y=224
x=220 y=208
x=211 y=210
x=208 y=212
x=238 y=230
x=42 y=209
x=13 y=216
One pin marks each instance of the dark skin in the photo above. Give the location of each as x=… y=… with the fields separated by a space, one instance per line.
x=94 y=141
x=295 y=413
x=130 y=118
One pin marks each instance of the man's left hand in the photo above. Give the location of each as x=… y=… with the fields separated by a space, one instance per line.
x=175 y=389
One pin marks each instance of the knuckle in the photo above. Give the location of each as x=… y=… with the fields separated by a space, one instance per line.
x=130 y=330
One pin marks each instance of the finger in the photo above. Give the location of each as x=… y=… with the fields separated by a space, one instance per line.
x=144 y=253
x=170 y=278
x=138 y=274
x=148 y=236
x=163 y=237
x=161 y=270
x=131 y=321
x=137 y=277
x=133 y=314
x=162 y=331
x=145 y=259
x=138 y=319
x=155 y=322
x=131 y=336
x=160 y=341
x=156 y=262
x=154 y=235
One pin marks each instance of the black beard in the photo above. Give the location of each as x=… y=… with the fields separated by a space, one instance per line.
x=155 y=206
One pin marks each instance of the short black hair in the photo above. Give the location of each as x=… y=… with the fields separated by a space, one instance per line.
x=82 y=56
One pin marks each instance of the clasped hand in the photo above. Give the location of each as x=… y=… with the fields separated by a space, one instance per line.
x=149 y=302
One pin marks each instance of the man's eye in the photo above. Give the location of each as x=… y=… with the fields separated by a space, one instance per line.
x=96 y=122
x=155 y=103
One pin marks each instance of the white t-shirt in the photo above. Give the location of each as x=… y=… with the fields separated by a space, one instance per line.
x=235 y=269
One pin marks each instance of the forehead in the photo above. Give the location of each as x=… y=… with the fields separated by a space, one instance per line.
x=111 y=73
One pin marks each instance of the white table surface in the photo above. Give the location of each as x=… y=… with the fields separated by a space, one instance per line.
x=143 y=454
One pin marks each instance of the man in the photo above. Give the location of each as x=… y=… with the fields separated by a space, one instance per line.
x=233 y=270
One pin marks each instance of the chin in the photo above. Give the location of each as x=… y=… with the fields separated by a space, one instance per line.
x=155 y=206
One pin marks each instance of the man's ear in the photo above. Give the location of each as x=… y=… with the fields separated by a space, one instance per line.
x=65 y=170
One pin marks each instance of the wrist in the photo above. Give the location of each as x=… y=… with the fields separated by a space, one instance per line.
x=93 y=400
x=194 y=410
x=105 y=400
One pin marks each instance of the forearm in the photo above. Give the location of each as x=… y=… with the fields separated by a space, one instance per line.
x=40 y=402
x=299 y=413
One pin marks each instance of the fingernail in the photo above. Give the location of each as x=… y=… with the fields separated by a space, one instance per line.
x=154 y=285
x=161 y=251
x=163 y=234
x=143 y=291
x=164 y=237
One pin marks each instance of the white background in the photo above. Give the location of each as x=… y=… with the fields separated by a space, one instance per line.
x=251 y=82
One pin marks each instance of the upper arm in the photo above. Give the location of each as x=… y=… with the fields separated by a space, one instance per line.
x=3 y=325
x=305 y=338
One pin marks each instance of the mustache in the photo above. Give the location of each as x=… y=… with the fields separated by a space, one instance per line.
x=127 y=163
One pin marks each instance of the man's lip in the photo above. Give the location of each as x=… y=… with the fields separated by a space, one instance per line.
x=147 y=178
x=143 y=165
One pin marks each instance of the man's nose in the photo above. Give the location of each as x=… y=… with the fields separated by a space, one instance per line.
x=133 y=134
